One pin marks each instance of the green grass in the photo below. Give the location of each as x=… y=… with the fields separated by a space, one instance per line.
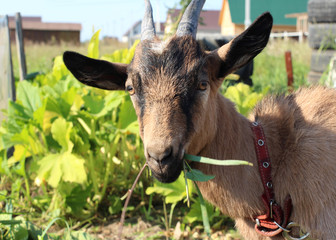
x=270 y=67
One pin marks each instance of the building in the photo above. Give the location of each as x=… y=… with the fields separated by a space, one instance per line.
x=208 y=26
x=36 y=31
x=134 y=32
x=232 y=15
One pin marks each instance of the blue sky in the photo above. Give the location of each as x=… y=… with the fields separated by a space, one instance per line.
x=113 y=17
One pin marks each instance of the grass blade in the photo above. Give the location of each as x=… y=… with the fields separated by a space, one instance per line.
x=205 y=217
x=216 y=162
x=186 y=182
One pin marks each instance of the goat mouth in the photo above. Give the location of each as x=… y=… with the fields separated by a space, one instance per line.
x=166 y=171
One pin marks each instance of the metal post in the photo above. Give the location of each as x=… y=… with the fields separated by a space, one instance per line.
x=247 y=21
x=20 y=47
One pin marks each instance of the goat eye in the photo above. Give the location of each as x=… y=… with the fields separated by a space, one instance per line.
x=130 y=89
x=202 y=85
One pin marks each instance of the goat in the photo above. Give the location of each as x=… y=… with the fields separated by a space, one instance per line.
x=174 y=85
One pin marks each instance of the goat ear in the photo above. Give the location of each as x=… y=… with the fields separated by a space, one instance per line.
x=96 y=73
x=245 y=46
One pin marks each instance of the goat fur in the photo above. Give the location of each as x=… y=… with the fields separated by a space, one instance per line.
x=300 y=131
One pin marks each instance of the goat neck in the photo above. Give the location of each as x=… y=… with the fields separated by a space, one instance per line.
x=235 y=190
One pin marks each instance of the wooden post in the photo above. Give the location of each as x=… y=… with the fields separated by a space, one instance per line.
x=289 y=68
x=20 y=47
x=7 y=82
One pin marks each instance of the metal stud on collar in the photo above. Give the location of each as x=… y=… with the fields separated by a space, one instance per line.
x=261 y=142
x=265 y=164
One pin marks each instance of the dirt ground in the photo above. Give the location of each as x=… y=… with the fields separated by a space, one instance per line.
x=145 y=231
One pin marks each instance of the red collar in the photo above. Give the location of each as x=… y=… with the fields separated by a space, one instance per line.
x=273 y=222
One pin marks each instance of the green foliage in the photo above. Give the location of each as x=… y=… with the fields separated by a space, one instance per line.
x=72 y=144
x=243 y=97
x=93 y=48
x=172 y=193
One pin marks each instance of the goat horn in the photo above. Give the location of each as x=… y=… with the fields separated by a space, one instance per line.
x=147 y=25
x=189 y=21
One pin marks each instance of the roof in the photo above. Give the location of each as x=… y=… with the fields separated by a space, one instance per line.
x=162 y=27
x=277 y=8
x=35 y=23
x=209 y=19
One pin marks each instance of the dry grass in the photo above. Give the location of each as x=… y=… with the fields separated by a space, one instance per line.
x=39 y=57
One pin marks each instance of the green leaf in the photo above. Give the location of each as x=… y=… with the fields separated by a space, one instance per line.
x=242 y=95
x=127 y=114
x=122 y=55
x=62 y=167
x=173 y=192
x=133 y=127
x=215 y=162
x=195 y=212
x=93 y=49
x=33 y=230
x=59 y=71
x=115 y=205
x=29 y=96
x=60 y=130
x=18 y=112
x=20 y=232
x=94 y=103
x=39 y=114
x=197 y=175
x=76 y=199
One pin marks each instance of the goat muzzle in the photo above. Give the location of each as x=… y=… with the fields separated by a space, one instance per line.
x=164 y=162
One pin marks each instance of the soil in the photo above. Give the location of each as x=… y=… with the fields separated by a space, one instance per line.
x=141 y=230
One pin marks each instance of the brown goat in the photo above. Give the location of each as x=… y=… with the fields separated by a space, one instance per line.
x=174 y=89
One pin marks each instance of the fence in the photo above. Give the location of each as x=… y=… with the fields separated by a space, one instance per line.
x=286 y=35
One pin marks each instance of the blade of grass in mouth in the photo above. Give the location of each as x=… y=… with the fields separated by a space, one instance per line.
x=215 y=161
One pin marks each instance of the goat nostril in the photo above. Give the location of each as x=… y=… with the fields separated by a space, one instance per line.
x=160 y=155
x=166 y=153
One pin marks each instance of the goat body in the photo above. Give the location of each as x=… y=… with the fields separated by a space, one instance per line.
x=174 y=90
x=300 y=130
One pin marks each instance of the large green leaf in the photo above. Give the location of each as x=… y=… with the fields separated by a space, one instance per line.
x=29 y=96
x=20 y=232
x=60 y=130
x=95 y=104
x=18 y=113
x=59 y=71
x=77 y=199
x=195 y=213
x=122 y=55
x=38 y=115
x=93 y=49
x=242 y=95
x=67 y=167
x=173 y=192
x=127 y=114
